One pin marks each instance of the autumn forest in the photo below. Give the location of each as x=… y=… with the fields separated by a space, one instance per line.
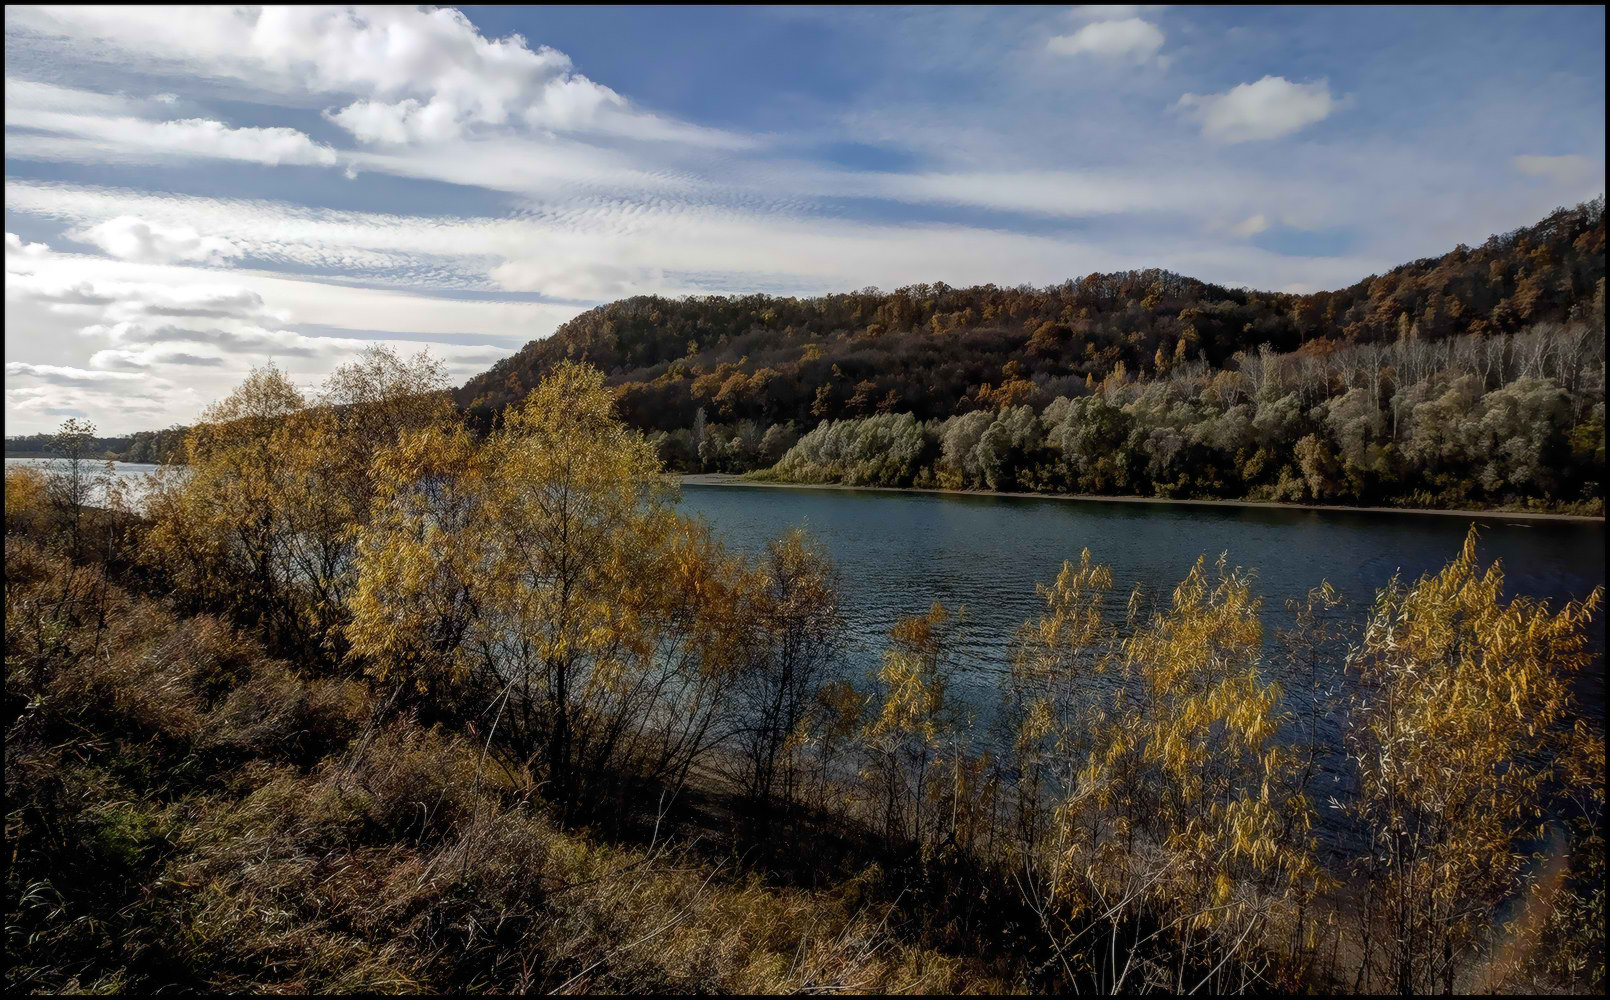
x=1473 y=379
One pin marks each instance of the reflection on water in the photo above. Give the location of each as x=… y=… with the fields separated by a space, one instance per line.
x=130 y=475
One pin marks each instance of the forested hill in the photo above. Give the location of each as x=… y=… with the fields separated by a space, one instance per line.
x=933 y=350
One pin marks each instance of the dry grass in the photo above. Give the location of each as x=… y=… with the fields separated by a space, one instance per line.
x=187 y=813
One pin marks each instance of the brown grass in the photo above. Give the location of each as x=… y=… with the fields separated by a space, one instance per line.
x=186 y=813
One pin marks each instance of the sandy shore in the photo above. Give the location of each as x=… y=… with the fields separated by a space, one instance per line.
x=727 y=479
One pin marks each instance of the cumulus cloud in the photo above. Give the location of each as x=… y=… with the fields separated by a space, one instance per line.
x=128 y=237
x=273 y=146
x=1268 y=109
x=20 y=254
x=412 y=74
x=1128 y=38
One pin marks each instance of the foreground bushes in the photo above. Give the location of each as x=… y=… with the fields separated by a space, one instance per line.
x=186 y=813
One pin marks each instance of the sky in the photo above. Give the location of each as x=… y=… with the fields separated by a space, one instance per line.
x=192 y=192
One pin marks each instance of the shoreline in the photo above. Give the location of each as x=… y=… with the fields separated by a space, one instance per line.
x=732 y=479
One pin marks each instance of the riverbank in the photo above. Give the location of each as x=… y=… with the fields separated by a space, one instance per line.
x=728 y=479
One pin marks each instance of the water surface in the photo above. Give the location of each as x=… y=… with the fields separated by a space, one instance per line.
x=900 y=552
x=131 y=475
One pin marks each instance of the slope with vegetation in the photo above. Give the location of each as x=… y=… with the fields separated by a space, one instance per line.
x=364 y=702
x=1175 y=386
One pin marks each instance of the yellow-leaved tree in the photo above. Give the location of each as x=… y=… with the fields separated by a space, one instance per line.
x=541 y=574
x=1459 y=744
x=220 y=531
x=264 y=518
x=1056 y=662
x=363 y=407
x=1179 y=842
x=915 y=727
x=423 y=566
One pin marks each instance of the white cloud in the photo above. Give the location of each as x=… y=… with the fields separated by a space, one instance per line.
x=124 y=301
x=164 y=340
x=1268 y=109
x=128 y=237
x=407 y=121
x=584 y=281
x=417 y=74
x=1129 y=38
x=65 y=375
x=201 y=137
x=1564 y=170
x=98 y=137
x=20 y=255
x=149 y=322
x=595 y=248
x=113 y=359
x=24 y=97
x=1252 y=225
x=84 y=125
x=38 y=396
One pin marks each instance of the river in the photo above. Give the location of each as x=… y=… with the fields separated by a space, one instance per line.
x=898 y=552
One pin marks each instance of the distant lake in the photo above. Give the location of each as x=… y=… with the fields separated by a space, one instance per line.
x=131 y=473
x=900 y=552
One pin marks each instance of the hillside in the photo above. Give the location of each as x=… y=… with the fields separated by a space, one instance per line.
x=934 y=351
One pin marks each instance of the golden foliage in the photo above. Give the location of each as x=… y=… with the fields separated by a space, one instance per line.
x=266 y=512
x=912 y=739
x=1159 y=738
x=26 y=501
x=542 y=571
x=1456 y=733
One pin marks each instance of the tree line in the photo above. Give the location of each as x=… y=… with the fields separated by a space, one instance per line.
x=1473 y=420
x=147 y=447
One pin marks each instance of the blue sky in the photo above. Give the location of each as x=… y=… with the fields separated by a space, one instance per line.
x=191 y=194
